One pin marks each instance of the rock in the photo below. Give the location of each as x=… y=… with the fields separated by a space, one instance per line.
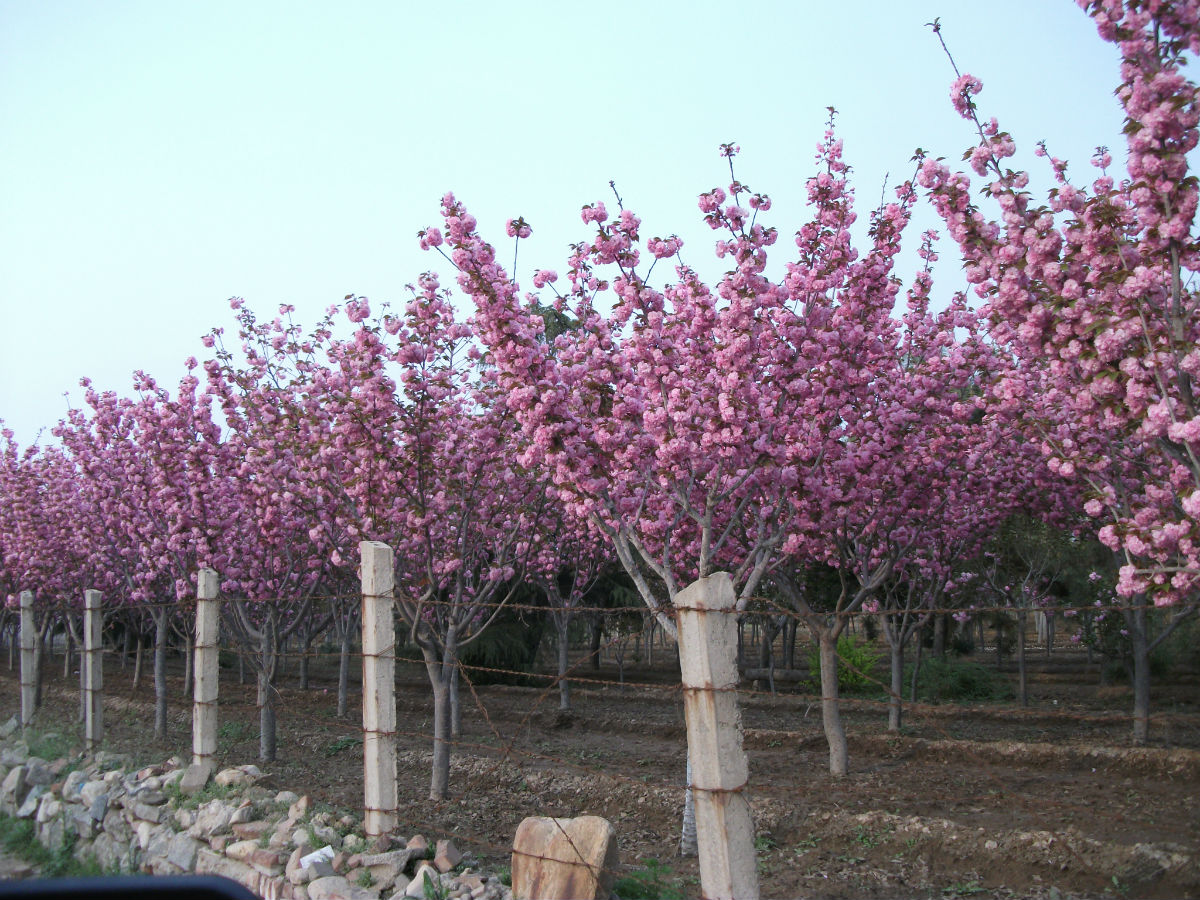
x=15 y=755
x=353 y=843
x=269 y=862
x=98 y=808
x=73 y=786
x=299 y=809
x=241 y=850
x=49 y=808
x=152 y=798
x=37 y=771
x=29 y=807
x=185 y=818
x=115 y=825
x=211 y=863
x=447 y=856
x=12 y=791
x=418 y=844
x=52 y=833
x=91 y=790
x=335 y=887
x=212 y=818
x=400 y=887
x=240 y=775
x=383 y=876
x=397 y=858
x=381 y=844
x=146 y=813
x=181 y=852
x=9 y=728
x=194 y=778
x=416 y=887
x=148 y=772
x=295 y=873
x=160 y=843
x=173 y=776
x=251 y=830
x=83 y=823
x=243 y=814
x=110 y=854
x=564 y=858
x=288 y=797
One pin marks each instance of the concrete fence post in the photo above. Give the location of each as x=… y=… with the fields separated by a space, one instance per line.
x=93 y=670
x=205 y=680
x=380 y=791
x=708 y=662
x=28 y=640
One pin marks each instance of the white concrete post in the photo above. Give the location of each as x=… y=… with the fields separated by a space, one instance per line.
x=380 y=791
x=205 y=659
x=93 y=671
x=28 y=640
x=708 y=661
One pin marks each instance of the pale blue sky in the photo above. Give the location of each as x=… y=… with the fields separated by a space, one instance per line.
x=160 y=157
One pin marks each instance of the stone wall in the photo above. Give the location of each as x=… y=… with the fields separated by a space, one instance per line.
x=141 y=821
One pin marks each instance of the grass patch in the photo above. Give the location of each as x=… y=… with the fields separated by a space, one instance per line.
x=957 y=680
x=652 y=881
x=19 y=837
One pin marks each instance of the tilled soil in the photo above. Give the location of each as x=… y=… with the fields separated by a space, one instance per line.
x=989 y=801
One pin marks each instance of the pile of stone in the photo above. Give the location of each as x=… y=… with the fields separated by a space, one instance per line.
x=274 y=843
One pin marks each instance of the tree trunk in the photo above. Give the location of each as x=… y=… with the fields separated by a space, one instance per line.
x=189 y=660
x=455 y=705
x=268 y=658
x=597 y=638
x=160 y=616
x=916 y=670
x=1140 y=640
x=1050 y=617
x=344 y=668
x=137 y=663
x=305 y=647
x=939 y=635
x=564 y=661
x=1022 y=680
x=894 y=711
x=439 y=680
x=831 y=715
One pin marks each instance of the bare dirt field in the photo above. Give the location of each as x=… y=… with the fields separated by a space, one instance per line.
x=968 y=800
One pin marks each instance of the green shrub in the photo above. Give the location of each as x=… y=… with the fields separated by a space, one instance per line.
x=856 y=666
x=653 y=881
x=957 y=680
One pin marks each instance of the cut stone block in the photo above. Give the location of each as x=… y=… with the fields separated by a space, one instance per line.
x=564 y=859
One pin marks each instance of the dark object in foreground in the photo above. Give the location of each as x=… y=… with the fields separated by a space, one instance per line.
x=181 y=887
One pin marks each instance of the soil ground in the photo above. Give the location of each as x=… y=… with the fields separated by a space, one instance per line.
x=967 y=800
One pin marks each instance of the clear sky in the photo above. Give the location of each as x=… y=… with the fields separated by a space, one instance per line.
x=157 y=158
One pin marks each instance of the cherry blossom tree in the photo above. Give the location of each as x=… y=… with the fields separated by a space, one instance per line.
x=1092 y=291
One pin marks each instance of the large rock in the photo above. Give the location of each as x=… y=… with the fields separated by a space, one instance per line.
x=194 y=779
x=447 y=856
x=182 y=851
x=29 y=807
x=335 y=887
x=564 y=859
x=37 y=771
x=73 y=786
x=12 y=791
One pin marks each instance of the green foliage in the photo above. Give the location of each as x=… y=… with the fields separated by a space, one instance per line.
x=508 y=648
x=856 y=666
x=211 y=791
x=19 y=837
x=333 y=748
x=653 y=881
x=957 y=680
x=50 y=745
x=504 y=873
